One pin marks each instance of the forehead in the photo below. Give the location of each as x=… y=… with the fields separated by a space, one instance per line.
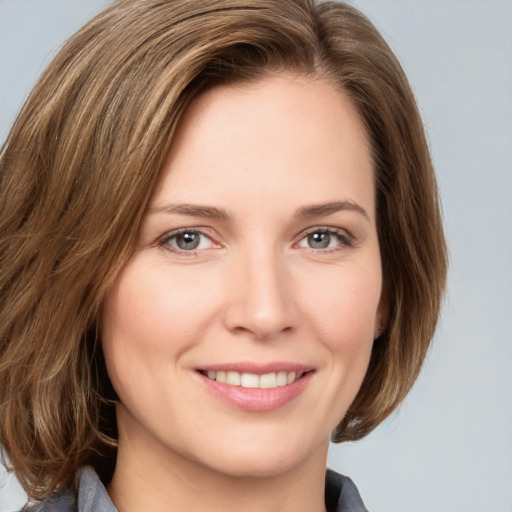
x=282 y=135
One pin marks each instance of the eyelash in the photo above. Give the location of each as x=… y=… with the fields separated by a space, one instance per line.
x=164 y=242
x=344 y=238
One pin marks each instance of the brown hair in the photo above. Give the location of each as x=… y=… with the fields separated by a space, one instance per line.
x=80 y=164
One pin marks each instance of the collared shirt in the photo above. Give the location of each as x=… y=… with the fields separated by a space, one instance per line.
x=341 y=495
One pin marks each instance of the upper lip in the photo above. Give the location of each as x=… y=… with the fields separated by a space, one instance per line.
x=257 y=368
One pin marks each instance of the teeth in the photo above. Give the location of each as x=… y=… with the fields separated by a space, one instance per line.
x=290 y=377
x=269 y=380
x=233 y=378
x=251 y=380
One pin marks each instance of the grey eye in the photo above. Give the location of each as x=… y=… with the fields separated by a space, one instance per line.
x=184 y=241
x=187 y=241
x=319 y=240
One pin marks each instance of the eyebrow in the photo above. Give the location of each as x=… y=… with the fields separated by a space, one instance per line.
x=211 y=212
x=318 y=210
x=192 y=210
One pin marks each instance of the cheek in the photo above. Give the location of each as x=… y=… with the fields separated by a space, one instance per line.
x=151 y=316
x=344 y=306
x=342 y=310
x=139 y=317
x=151 y=307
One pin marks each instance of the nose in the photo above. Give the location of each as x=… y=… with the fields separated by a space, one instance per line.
x=261 y=300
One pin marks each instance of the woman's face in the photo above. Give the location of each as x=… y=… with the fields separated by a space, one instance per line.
x=240 y=330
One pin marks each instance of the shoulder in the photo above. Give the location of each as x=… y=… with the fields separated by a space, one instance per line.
x=64 y=501
x=341 y=494
x=92 y=497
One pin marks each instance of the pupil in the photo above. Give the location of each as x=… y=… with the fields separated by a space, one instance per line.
x=188 y=241
x=319 y=240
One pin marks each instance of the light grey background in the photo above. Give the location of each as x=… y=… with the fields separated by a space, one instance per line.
x=449 y=448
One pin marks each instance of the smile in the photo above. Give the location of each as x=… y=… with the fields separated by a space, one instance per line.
x=256 y=388
x=253 y=380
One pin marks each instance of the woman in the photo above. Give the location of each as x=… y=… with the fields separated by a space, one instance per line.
x=220 y=246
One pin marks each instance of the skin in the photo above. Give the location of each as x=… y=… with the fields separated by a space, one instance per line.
x=255 y=289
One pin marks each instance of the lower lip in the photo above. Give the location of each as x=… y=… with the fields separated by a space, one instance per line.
x=257 y=399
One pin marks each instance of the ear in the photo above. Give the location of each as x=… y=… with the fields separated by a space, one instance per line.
x=382 y=316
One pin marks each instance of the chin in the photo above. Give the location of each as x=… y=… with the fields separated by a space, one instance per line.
x=263 y=459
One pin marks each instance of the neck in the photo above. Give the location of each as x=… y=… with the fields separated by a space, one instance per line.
x=172 y=482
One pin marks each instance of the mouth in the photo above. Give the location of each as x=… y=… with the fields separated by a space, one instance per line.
x=256 y=388
x=253 y=380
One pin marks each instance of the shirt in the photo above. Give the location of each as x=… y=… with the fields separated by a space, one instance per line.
x=341 y=495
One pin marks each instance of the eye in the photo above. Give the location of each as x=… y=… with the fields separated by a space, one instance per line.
x=186 y=240
x=326 y=238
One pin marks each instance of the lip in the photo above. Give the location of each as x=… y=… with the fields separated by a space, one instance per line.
x=257 y=368
x=256 y=399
